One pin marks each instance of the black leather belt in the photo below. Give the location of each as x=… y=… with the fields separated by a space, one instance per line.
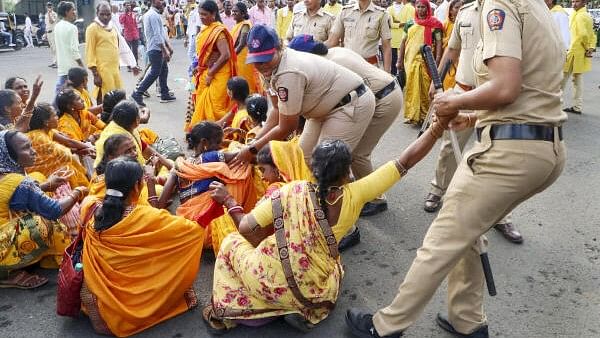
x=386 y=90
x=346 y=99
x=49 y=32
x=521 y=132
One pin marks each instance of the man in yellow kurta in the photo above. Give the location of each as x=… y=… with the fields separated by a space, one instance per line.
x=333 y=7
x=401 y=11
x=284 y=18
x=102 y=52
x=579 y=56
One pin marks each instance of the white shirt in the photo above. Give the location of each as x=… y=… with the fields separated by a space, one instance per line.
x=28 y=25
x=562 y=21
x=299 y=7
x=114 y=18
x=194 y=24
x=442 y=10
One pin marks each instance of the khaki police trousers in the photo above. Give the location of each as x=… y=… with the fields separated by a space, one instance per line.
x=492 y=179
x=347 y=123
x=52 y=44
x=386 y=111
x=446 y=165
x=577 y=88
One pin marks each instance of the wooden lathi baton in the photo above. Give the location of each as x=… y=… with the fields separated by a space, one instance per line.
x=437 y=83
x=445 y=70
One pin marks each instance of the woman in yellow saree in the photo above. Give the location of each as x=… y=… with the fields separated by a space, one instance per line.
x=425 y=29
x=239 y=32
x=78 y=81
x=296 y=272
x=453 y=9
x=139 y=262
x=192 y=177
x=216 y=64
x=75 y=121
x=29 y=232
x=54 y=149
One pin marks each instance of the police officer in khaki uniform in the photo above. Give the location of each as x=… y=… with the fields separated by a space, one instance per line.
x=334 y=100
x=518 y=153
x=313 y=20
x=388 y=95
x=360 y=27
x=464 y=38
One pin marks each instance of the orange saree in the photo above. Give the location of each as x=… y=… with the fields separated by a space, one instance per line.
x=239 y=184
x=248 y=72
x=211 y=101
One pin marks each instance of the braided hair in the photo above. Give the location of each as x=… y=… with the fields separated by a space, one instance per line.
x=330 y=163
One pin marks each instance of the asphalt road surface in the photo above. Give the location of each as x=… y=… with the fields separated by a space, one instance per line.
x=547 y=287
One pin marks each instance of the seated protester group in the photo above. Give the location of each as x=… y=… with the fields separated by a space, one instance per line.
x=192 y=177
x=29 y=230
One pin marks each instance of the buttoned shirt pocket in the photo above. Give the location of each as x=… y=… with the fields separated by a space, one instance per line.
x=372 y=30
x=349 y=26
x=467 y=38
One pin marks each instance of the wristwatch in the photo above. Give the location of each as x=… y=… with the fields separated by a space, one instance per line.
x=253 y=149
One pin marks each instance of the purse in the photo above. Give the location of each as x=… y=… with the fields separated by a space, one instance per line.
x=169 y=148
x=68 y=299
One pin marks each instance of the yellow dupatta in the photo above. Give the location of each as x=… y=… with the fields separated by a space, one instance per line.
x=85 y=96
x=88 y=126
x=141 y=268
x=247 y=71
x=211 y=102
x=111 y=129
x=289 y=160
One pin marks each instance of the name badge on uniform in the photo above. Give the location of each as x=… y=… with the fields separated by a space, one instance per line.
x=495 y=19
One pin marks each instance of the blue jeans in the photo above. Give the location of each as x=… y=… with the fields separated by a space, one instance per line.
x=159 y=69
x=8 y=38
x=60 y=83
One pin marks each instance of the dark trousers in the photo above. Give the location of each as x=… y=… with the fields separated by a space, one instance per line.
x=133 y=45
x=159 y=69
x=394 y=60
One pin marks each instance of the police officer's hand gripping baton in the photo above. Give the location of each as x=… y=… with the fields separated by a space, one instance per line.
x=427 y=122
x=437 y=83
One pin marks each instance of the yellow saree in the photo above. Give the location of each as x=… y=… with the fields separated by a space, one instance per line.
x=89 y=125
x=249 y=283
x=52 y=156
x=141 y=270
x=247 y=71
x=211 y=102
x=449 y=80
x=416 y=97
x=85 y=96
x=27 y=238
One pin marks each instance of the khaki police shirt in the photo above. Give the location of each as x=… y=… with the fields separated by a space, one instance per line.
x=361 y=32
x=464 y=38
x=318 y=25
x=524 y=30
x=373 y=77
x=310 y=85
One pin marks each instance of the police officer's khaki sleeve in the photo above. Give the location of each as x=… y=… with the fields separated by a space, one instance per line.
x=338 y=25
x=455 y=40
x=290 y=31
x=290 y=93
x=384 y=27
x=501 y=30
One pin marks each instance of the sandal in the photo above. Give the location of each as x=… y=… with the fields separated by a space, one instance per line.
x=213 y=325
x=23 y=280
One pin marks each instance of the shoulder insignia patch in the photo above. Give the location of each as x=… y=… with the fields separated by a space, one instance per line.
x=282 y=93
x=495 y=19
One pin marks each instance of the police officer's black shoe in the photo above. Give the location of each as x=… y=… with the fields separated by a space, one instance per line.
x=373 y=208
x=349 y=240
x=361 y=325
x=481 y=332
x=432 y=203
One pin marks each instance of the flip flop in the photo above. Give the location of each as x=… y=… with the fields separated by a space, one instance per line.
x=213 y=325
x=23 y=280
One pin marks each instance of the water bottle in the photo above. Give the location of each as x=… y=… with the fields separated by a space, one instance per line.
x=78 y=267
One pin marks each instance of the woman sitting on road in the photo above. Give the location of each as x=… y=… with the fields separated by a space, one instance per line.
x=29 y=232
x=296 y=272
x=139 y=262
